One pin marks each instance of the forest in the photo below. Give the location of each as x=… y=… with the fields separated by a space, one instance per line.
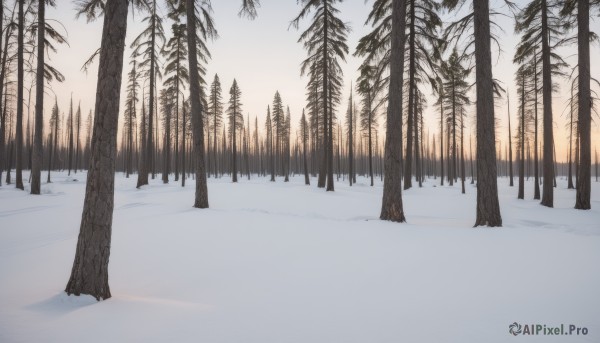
x=425 y=136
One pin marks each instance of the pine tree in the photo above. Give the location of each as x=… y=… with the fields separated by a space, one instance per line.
x=583 y=194
x=148 y=45
x=236 y=123
x=325 y=42
x=215 y=112
x=176 y=73
x=488 y=206
x=455 y=85
x=90 y=266
x=305 y=137
x=130 y=113
x=542 y=29
x=43 y=72
x=391 y=207
x=279 y=129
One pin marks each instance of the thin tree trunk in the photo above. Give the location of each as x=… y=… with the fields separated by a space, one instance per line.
x=37 y=160
x=90 y=268
x=411 y=121
x=510 y=155
x=20 y=80
x=521 y=194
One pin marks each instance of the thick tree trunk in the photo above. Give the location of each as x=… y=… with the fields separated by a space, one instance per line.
x=488 y=207
x=391 y=207
x=582 y=197
x=20 y=80
x=90 y=268
x=37 y=160
x=547 y=187
x=201 y=197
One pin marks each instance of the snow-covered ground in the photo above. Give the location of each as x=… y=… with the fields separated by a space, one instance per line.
x=282 y=262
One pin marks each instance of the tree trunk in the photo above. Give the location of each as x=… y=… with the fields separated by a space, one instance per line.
x=37 y=160
x=90 y=268
x=391 y=207
x=488 y=207
x=510 y=155
x=548 y=187
x=521 y=194
x=582 y=196
x=183 y=120
x=20 y=80
x=411 y=121
x=570 y=161
x=201 y=198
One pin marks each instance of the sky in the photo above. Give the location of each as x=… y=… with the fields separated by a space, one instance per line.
x=263 y=55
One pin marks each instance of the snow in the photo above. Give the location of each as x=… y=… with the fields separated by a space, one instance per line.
x=283 y=262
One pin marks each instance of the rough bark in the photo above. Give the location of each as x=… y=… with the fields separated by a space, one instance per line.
x=548 y=156
x=90 y=268
x=391 y=207
x=582 y=197
x=36 y=162
x=488 y=207
x=201 y=196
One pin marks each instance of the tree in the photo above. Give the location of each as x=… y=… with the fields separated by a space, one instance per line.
x=583 y=194
x=131 y=112
x=71 y=138
x=488 y=206
x=52 y=144
x=20 y=80
x=166 y=101
x=236 y=123
x=350 y=122
x=89 y=274
x=148 y=45
x=286 y=144
x=199 y=26
x=391 y=207
x=325 y=42
x=541 y=28
x=269 y=129
x=304 y=132
x=43 y=72
x=368 y=87
x=510 y=154
x=77 y=136
x=177 y=74
x=215 y=112
x=455 y=85
x=524 y=88
x=279 y=128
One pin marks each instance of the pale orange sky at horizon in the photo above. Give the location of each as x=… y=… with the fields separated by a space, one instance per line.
x=264 y=56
